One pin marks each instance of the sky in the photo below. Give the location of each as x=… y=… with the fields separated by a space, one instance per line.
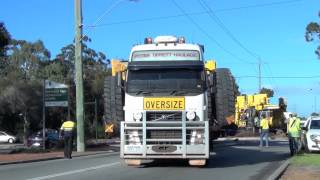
x=235 y=33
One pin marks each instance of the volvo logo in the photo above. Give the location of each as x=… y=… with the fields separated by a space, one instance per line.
x=164 y=117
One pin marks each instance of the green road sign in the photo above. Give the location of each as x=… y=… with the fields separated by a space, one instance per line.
x=56 y=94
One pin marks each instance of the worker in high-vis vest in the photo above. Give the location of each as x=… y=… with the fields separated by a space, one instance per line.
x=67 y=131
x=264 y=130
x=294 y=130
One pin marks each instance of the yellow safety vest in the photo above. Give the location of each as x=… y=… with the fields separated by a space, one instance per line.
x=68 y=126
x=264 y=124
x=294 y=127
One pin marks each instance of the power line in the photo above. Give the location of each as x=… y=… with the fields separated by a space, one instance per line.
x=191 y=14
x=107 y=11
x=224 y=28
x=258 y=5
x=206 y=33
x=281 y=77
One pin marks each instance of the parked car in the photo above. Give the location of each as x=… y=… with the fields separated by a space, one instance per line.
x=51 y=138
x=310 y=136
x=7 y=138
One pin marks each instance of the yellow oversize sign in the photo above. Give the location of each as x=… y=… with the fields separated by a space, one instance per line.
x=176 y=103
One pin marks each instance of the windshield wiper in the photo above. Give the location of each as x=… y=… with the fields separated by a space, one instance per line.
x=143 y=92
x=178 y=92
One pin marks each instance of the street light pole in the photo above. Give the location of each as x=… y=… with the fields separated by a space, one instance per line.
x=79 y=76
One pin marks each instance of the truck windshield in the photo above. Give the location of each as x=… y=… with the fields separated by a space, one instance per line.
x=176 y=82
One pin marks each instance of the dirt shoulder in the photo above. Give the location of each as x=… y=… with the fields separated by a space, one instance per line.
x=303 y=166
x=295 y=172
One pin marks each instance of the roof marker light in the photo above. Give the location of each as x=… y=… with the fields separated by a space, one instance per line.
x=148 y=40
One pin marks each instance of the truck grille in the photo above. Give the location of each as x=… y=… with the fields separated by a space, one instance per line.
x=164 y=116
x=164 y=134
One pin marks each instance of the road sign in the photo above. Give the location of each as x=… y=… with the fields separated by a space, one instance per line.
x=109 y=128
x=56 y=94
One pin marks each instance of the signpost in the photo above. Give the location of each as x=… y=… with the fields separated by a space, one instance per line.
x=54 y=95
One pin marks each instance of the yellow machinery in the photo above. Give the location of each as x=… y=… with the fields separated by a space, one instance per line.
x=118 y=66
x=250 y=107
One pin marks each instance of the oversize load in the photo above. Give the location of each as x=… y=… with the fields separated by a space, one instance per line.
x=176 y=103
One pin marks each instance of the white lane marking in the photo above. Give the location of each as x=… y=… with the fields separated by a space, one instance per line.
x=74 y=171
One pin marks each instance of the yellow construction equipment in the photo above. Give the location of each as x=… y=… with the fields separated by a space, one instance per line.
x=249 y=108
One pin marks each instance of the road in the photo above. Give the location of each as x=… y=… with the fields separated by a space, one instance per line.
x=241 y=160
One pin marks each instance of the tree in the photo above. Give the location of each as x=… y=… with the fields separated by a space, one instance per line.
x=26 y=58
x=267 y=91
x=21 y=87
x=315 y=114
x=95 y=68
x=4 y=39
x=312 y=33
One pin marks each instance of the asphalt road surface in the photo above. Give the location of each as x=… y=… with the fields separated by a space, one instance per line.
x=242 y=160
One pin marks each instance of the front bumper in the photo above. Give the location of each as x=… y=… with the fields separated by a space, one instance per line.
x=181 y=146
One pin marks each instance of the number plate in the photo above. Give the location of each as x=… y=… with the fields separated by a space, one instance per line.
x=176 y=103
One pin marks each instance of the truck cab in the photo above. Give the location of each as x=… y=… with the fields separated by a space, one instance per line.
x=165 y=104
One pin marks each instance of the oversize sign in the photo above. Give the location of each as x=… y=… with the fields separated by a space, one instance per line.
x=177 y=103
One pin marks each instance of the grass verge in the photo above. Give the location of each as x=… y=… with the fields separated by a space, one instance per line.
x=306 y=160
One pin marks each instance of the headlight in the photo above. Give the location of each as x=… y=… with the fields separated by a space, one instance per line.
x=191 y=115
x=137 y=116
x=314 y=137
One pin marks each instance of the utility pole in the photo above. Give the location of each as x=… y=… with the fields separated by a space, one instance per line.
x=259 y=67
x=79 y=76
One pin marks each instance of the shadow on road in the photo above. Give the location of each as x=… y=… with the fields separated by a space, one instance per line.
x=243 y=153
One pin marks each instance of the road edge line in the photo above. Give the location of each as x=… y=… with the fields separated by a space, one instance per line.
x=278 y=172
x=56 y=158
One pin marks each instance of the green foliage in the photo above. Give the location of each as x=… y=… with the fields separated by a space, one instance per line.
x=267 y=91
x=22 y=71
x=25 y=59
x=315 y=114
x=4 y=39
x=313 y=33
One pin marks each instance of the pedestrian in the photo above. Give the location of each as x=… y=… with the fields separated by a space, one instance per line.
x=264 y=130
x=67 y=132
x=294 y=130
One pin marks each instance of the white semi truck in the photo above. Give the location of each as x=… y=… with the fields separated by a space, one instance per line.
x=169 y=103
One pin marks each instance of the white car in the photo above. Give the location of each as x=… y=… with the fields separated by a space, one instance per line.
x=6 y=138
x=311 y=134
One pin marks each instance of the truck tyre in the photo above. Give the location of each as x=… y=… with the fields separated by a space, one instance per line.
x=224 y=98
x=113 y=102
x=107 y=99
x=119 y=99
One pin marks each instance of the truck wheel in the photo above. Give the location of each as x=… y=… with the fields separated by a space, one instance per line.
x=113 y=102
x=224 y=98
x=119 y=99
x=107 y=98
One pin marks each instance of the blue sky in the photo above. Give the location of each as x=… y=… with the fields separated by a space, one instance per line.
x=274 y=32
